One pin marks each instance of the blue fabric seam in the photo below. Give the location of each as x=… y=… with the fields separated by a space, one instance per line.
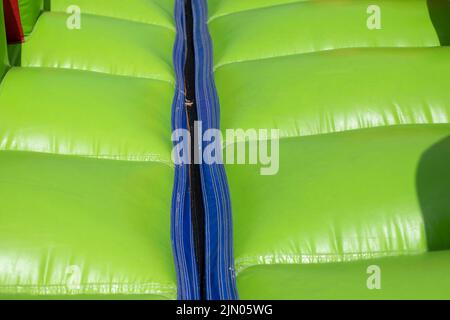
x=182 y=233
x=219 y=261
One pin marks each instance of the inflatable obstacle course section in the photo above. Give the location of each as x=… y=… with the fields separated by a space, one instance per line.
x=359 y=92
x=109 y=36
x=20 y=17
x=88 y=227
x=374 y=206
x=86 y=173
x=155 y=12
x=349 y=280
x=338 y=90
x=93 y=206
x=86 y=121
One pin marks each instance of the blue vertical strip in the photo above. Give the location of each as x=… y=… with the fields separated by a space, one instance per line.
x=181 y=225
x=219 y=259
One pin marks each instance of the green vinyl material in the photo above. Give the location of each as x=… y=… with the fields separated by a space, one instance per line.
x=365 y=146
x=311 y=26
x=157 y=12
x=71 y=226
x=86 y=175
x=85 y=113
x=102 y=44
x=337 y=90
x=29 y=13
x=372 y=198
x=410 y=277
x=218 y=8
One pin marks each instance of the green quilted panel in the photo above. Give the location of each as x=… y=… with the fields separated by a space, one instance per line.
x=346 y=196
x=414 y=277
x=337 y=90
x=218 y=8
x=79 y=226
x=102 y=44
x=85 y=113
x=158 y=12
x=310 y=26
x=86 y=175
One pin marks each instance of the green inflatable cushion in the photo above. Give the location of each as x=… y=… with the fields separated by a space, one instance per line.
x=74 y=226
x=102 y=44
x=346 y=196
x=423 y=276
x=337 y=90
x=85 y=113
x=157 y=12
x=29 y=14
x=311 y=26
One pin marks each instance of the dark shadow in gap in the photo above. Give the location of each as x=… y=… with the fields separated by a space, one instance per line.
x=440 y=16
x=15 y=54
x=433 y=188
x=47 y=5
x=195 y=182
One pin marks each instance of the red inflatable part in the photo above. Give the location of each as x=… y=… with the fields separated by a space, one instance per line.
x=14 y=30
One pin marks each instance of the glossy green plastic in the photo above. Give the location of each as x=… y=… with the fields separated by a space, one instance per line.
x=218 y=8
x=311 y=26
x=364 y=153
x=337 y=90
x=72 y=226
x=86 y=174
x=157 y=12
x=102 y=44
x=85 y=113
x=29 y=13
x=346 y=196
x=423 y=277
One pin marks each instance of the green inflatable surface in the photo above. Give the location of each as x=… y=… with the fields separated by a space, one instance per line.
x=86 y=174
x=364 y=173
x=93 y=206
x=88 y=226
x=29 y=13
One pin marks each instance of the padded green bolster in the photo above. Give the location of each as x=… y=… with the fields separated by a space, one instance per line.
x=29 y=13
x=345 y=196
x=85 y=113
x=78 y=226
x=424 y=276
x=218 y=8
x=158 y=12
x=337 y=90
x=3 y=46
x=102 y=44
x=310 y=26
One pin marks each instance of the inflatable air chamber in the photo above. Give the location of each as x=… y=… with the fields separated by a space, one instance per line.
x=94 y=207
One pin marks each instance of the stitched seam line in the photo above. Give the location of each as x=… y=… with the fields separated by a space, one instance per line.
x=289 y=259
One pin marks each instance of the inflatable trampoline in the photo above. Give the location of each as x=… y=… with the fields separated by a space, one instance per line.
x=94 y=205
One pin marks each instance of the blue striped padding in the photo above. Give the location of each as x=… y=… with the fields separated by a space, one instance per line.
x=219 y=260
x=181 y=225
